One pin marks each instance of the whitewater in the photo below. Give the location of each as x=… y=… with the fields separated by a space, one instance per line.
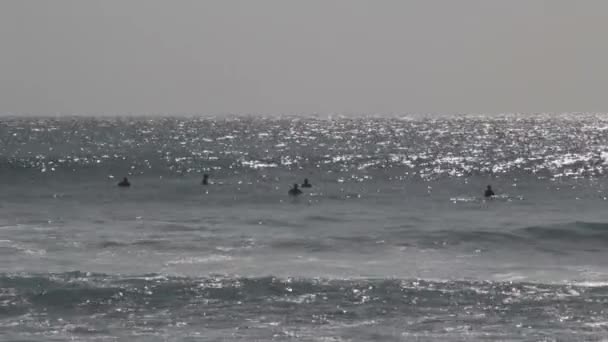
x=394 y=241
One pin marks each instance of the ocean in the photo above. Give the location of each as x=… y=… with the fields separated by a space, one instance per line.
x=394 y=241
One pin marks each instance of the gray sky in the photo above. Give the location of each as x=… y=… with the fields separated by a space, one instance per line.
x=307 y=56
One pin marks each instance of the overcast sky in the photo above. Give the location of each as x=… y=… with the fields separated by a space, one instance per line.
x=307 y=56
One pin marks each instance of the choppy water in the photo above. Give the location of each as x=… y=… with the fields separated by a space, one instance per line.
x=393 y=242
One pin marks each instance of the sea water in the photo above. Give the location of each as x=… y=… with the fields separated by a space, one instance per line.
x=394 y=241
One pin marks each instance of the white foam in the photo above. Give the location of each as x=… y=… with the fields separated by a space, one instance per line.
x=200 y=260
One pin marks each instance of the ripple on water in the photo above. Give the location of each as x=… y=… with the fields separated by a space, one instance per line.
x=571 y=146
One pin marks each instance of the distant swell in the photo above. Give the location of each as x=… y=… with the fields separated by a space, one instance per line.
x=587 y=232
x=575 y=231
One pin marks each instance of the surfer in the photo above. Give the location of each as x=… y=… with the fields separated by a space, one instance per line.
x=124 y=182
x=205 y=179
x=294 y=191
x=489 y=192
x=306 y=184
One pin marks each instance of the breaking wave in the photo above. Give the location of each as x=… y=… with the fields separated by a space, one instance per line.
x=102 y=293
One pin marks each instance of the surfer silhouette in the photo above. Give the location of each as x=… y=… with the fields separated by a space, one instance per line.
x=294 y=191
x=306 y=184
x=205 y=179
x=124 y=183
x=489 y=192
